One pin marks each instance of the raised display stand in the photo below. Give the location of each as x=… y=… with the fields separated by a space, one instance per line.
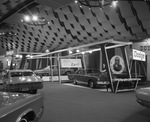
x=125 y=84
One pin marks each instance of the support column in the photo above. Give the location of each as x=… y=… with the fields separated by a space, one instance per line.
x=124 y=53
x=58 y=64
x=51 y=69
x=83 y=59
x=105 y=58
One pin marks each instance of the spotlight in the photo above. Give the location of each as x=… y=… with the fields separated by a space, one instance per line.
x=77 y=51
x=76 y=1
x=70 y=52
x=47 y=51
x=114 y=4
x=90 y=51
x=28 y=56
x=35 y=18
x=27 y=18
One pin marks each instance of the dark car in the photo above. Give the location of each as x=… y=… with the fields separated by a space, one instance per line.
x=91 y=77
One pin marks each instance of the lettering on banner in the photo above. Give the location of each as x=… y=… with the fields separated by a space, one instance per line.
x=145 y=48
x=138 y=55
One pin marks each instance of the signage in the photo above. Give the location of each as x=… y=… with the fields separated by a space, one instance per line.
x=10 y=53
x=143 y=46
x=117 y=64
x=71 y=63
x=138 y=55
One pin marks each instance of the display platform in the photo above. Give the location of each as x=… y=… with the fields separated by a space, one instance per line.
x=125 y=84
x=55 y=78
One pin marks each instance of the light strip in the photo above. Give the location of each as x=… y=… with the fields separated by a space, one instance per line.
x=88 y=45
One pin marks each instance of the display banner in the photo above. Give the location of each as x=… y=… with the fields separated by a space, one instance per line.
x=117 y=64
x=138 y=55
x=71 y=63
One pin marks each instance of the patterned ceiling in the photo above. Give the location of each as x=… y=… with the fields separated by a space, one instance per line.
x=71 y=25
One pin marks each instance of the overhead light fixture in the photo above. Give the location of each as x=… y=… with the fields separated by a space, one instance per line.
x=114 y=4
x=94 y=3
x=83 y=53
x=70 y=52
x=90 y=51
x=77 y=51
x=34 y=20
x=47 y=51
x=76 y=1
x=7 y=34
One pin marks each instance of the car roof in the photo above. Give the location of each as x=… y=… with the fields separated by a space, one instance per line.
x=20 y=70
x=89 y=69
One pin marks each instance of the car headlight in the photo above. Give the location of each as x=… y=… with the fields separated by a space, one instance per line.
x=98 y=79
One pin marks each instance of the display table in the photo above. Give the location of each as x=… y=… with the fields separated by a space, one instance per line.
x=125 y=84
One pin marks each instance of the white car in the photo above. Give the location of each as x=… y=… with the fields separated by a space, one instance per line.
x=47 y=71
x=143 y=96
x=21 y=81
x=21 y=107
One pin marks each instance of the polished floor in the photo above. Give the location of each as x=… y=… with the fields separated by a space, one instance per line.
x=68 y=103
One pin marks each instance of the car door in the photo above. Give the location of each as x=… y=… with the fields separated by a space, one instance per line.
x=82 y=76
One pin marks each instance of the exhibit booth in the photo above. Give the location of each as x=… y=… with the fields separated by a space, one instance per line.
x=117 y=66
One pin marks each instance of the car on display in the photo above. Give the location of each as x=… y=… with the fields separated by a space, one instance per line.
x=47 y=71
x=143 y=96
x=20 y=107
x=20 y=81
x=91 y=77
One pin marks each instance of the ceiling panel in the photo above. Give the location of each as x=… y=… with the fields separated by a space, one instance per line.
x=70 y=25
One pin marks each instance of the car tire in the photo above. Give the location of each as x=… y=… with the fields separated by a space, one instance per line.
x=67 y=73
x=24 y=119
x=91 y=84
x=75 y=82
x=34 y=91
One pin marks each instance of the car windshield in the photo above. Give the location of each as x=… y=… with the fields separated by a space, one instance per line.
x=93 y=71
x=16 y=74
x=19 y=74
x=27 y=73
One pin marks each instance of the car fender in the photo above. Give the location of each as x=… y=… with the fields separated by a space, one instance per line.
x=23 y=114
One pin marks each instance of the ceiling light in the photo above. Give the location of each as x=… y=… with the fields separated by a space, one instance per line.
x=90 y=51
x=35 y=18
x=76 y=1
x=114 y=4
x=28 y=56
x=47 y=51
x=27 y=18
x=83 y=52
x=94 y=3
x=70 y=52
x=77 y=51
x=8 y=34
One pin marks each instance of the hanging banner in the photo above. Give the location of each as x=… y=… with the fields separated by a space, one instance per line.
x=71 y=63
x=117 y=64
x=138 y=55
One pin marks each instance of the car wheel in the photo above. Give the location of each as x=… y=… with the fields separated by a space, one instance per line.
x=75 y=82
x=24 y=119
x=67 y=73
x=34 y=91
x=91 y=84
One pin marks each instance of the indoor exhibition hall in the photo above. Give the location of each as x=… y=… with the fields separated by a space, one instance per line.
x=74 y=60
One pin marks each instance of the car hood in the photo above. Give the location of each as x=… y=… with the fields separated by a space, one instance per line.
x=25 y=79
x=7 y=98
x=42 y=70
x=143 y=94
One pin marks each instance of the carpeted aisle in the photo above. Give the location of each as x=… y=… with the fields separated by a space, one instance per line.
x=72 y=104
